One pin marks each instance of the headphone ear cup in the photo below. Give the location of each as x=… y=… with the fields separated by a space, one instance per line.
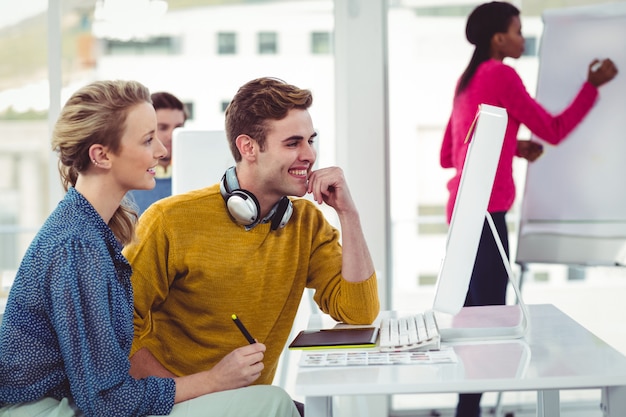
x=243 y=207
x=282 y=214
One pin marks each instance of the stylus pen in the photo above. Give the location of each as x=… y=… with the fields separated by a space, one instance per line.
x=243 y=329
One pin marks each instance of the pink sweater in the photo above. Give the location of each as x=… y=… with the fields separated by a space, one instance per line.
x=499 y=85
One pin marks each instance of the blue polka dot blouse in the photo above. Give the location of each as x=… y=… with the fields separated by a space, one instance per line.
x=68 y=324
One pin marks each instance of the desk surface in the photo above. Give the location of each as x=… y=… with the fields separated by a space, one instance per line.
x=557 y=353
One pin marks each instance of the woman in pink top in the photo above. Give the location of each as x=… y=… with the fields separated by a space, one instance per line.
x=495 y=30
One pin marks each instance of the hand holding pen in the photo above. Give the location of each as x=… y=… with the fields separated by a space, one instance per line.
x=243 y=329
x=242 y=366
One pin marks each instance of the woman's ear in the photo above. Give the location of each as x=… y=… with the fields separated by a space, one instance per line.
x=98 y=156
x=497 y=45
x=498 y=39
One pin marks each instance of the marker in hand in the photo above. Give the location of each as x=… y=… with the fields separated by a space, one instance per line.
x=596 y=66
x=243 y=329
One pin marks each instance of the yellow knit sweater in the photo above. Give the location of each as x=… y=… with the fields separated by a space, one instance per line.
x=193 y=267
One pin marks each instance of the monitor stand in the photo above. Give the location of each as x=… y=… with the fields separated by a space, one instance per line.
x=488 y=322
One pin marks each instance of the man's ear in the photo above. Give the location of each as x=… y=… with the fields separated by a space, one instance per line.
x=98 y=155
x=247 y=146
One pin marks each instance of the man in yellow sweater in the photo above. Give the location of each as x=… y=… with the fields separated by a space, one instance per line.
x=242 y=247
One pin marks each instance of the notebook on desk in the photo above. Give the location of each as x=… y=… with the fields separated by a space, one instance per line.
x=336 y=338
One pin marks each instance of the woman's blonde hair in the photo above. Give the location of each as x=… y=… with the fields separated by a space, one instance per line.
x=96 y=114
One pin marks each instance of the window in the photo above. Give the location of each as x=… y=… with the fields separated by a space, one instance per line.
x=268 y=43
x=321 y=43
x=190 y=110
x=226 y=43
x=530 y=46
x=162 y=45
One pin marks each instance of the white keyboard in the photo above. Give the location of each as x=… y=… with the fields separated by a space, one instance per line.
x=416 y=332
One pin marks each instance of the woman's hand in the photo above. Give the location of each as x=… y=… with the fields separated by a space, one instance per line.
x=601 y=72
x=529 y=149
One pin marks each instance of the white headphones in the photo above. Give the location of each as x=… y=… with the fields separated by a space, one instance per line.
x=244 y=207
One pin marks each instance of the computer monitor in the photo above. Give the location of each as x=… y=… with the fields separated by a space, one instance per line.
x=199 y=158
x=468 y=216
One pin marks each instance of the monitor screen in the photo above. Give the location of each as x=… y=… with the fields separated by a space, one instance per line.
x=468 y=216
x=199 y=158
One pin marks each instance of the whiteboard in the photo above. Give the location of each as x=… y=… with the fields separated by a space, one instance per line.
x=574 y=205
x=199 y=158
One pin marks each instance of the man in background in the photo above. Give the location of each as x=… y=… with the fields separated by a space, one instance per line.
x=171 y=113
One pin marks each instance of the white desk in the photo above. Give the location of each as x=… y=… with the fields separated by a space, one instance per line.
x=558 y=353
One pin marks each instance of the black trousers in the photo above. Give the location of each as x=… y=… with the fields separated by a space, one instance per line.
x=300 y=407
